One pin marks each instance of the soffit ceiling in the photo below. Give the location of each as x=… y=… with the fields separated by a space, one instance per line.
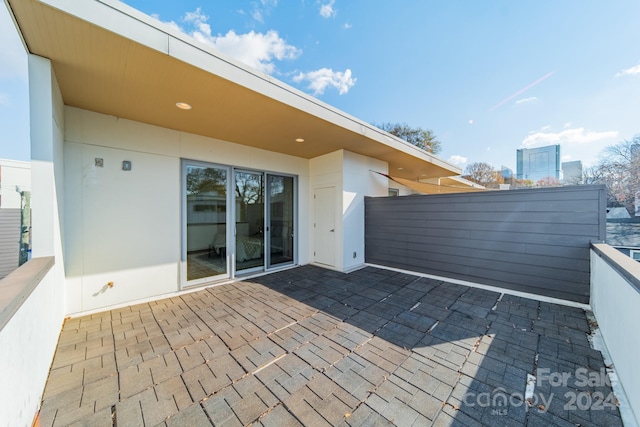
x=105 y=72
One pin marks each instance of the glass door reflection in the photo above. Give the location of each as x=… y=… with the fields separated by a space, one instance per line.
x=249 y=196
x=206 y=219
x=281 y=217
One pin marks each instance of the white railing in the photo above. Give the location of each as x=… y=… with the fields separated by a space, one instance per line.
x=615 y=301
x=30 y=322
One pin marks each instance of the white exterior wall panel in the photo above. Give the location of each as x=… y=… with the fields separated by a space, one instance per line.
x=326 y=171
x=35 y=328
x=353 y=178
x=124 y=226
x=359 y=180
x=615 y=301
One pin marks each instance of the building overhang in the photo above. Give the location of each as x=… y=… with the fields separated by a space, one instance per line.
x=112 y=59
x=452 y=184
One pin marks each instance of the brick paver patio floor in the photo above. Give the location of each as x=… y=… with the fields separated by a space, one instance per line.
x=308 y=346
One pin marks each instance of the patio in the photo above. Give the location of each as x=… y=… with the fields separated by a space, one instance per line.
x=309 y=346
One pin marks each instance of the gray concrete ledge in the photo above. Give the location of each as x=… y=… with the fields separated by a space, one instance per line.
x=17 y=286
x=625 y=266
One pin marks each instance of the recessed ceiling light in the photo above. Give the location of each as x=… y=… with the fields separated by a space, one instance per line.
x=299 y=139
x=183 y=106
x=400 y=169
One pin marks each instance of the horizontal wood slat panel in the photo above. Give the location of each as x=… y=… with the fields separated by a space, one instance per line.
x=534 y=241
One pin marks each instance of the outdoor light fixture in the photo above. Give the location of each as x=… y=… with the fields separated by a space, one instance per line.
x=299 y=139
x=183 y=106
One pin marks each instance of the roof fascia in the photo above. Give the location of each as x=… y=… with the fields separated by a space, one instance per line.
x=124 y=20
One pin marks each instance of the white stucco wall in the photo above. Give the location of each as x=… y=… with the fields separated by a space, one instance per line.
x=615 y=304
x=352 y=177
x=124 y=226
x=31 y=335
x=13 y=174
x=27 y=345
x=47 y=168
x=359 y=181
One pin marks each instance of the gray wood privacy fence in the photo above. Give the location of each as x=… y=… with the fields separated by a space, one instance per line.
x=9 y=240
x=534 y=240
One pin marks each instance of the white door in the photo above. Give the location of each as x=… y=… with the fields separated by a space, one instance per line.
x=325 y=226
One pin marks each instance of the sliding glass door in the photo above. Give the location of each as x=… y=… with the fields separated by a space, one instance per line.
x=249 y=221
x=260 y=196
x=281 y=214
x=235 y=222
x=205 y=210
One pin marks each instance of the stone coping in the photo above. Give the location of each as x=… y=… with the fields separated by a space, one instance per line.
x=18 y=285
x=625 y=266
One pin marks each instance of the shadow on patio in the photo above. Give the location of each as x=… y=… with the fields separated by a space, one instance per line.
x=309 y=346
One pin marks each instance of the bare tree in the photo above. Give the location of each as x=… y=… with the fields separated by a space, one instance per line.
x=484 y=174
x=201 y=180
x=593 y=175
x=549 y=181
x=422 y=138
x=619 y=170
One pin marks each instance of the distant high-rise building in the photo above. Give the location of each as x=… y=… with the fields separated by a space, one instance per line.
x=572 y=172
x=506 y=172
x=507 y=175
x=538 y=163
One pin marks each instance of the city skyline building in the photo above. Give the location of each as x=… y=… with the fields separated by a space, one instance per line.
x=538 y=163
x=572 y=172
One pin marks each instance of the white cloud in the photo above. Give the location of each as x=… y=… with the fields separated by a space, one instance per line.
x=629 y=71
x=257 y=15
x=526 y=100
x=257 y=50
x=198 y=20
x=262 y=8
x=320 y=79
x=347 y=26
x=327 y=10
x=567 y=136
x=458 y=160
x=566 y=158
x=4 y=99
x=568 y=125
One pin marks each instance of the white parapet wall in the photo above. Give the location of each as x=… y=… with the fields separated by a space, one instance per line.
x=615 y=300
x=30 y=321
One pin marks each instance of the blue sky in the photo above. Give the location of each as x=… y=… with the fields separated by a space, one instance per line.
x=488 y=77
x=14 y=93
